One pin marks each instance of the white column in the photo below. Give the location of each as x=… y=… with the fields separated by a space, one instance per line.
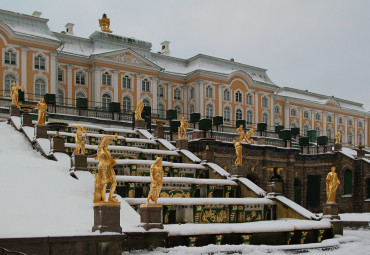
x=324 y=119
x=185 y=99
x=53 y=73
x=69 y=85
x=300 y=119
x=355 y=140
x=138 y=88
x=200 y=98
x=115 y=85
x=256 y=107
x=96 y=86
x=169 y=94
x=335 y=124
x=286 y=114
x=272 y=119
x=220 y=98
x=23 y=81
x=346 y=130
x=312 y=119
x=366 y=142
x=155 y=95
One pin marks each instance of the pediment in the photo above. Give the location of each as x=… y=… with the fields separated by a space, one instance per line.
x=332 y=102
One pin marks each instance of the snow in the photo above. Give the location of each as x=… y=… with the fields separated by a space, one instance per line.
x=166 y=144
x=30 y=132
x=190 y=156
x=355 y=216
x=296 y=207
x=17 y=121
x=349 y=152
x=40 y=198
x=218 y=169
x=146 y=134
x=44 y=144
x=256 y=189
x=129 y=178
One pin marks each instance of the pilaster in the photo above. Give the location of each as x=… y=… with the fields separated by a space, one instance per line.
x=200 y=97
x=324 y=120
x=355 y=140
x=69 y=85
x=138 y=88
x=220 y=98
x=96 y=86
x=272 y=105
x=53 y=72
x=256 y=106
x=366 y=142
x=24 y=70
x=115 y=85
x=155 y=95
x=169 y=94
x=286 y=114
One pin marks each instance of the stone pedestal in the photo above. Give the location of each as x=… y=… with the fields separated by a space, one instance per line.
x=79 y=162
x=337 y=147
x=208 y=155
x=261 y=140
x=14 y=110
x=107 y=217
x=41 y=131
x=331 y=211
x=57 y=144
x=140 y=124
x=361 y=153
x=275 y=187
x=238 y=170
x=182 y=144
x=27 y=120
x=151 y=216
x=198 y=134
x=159 y=132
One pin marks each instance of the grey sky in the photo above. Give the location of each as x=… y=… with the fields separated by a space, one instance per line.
x=322 y=46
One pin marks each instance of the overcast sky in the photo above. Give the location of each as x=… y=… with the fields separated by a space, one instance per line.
x=322 y=46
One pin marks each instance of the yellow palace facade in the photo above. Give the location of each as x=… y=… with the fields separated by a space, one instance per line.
x=111 y=68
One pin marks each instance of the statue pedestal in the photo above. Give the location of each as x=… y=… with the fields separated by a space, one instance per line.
x=27 y=120
x=198 y=134
x=330 y=211
x=337 y=147
x=208 y=155
x=41 y=131
x=159 y=132
x=14 y=110
x=57 y=144
x=79 y=162
x=238 y=170
x=275 y=187
x=151 y=216
x=182 y=144
x=140 y=124
x=107 y=217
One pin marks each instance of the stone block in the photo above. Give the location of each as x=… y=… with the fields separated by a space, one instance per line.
x=27 y=120
x=182 y=144
x=14 y=110
x=107 y=218
x=337 y=147
x=198 y=134
x=159 y=132
x=140 y=124
x=331 y=209
x=79 y=162
x=41 y=131
x=57 y=144
x=275 y=187
x=238 y=170
x=151 y=216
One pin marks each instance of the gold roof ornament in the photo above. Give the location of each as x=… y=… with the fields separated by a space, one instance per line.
x=104 y=24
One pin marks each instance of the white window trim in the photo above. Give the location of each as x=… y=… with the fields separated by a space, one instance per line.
x=75 y=77
x=16 y=57
x=46 y=62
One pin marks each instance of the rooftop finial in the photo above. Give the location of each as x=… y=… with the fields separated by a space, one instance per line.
x=104 y=24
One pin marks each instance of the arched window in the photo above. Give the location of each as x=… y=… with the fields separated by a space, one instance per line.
x=39 y=88
x=318 y=116
x=249 y=117
x=318 y=131
x=161 y=91
x=360 y=125
x=293 y=112
x=293 y=125
x=227 y=95
x=192 y=108
x=350 y=122
x=329 y=119
x=360 y=139
x=80 y=78
x=340 y=120
x=146 y=102
x=80 y=94
x=238 y=114
x=106 y=79
x=10 y=57
x=39 y=62
x=249 y=99
x=209 y=111
x=126 y=104
x=306 y=115
x=177 y=94
x=178 y=110
x=350 y=137
x=60 y=74
x=238 y=97
x=277 y=122
x=347 y=182
x=126 y=82
x=330 y=133
x=209 y=91
x=265 y=102
x=106 y=100
x=192 y=94
x=161 y=110
x=277 y=109
x=265 y=118
x=145 y=85
x=305 y=130
x=60 y=97
x=9 y=79
x=227 y=114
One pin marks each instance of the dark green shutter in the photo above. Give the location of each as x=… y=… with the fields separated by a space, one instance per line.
x=347 y=182
x=313 y=190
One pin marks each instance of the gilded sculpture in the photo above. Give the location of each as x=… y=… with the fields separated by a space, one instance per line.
x=337 y=137
x=238 y=151
x=156 y=175
x=105 y=173
x=240 y=131
x=15 y=94
x=42 y=107
x=139 y=110
x=245 y=137
x=182 y=128
x=104 y=24
x=80 y=140
x=332 y=183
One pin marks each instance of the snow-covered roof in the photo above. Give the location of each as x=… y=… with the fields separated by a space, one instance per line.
x=349 y=152
x=217 y=169
x=256 y=189
x=129 y=178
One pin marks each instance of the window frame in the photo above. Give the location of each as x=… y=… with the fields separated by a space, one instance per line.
x=227 y=95
x=8 y=55
x=106 y=79
x=209 y=91
x=238 y=114
x=227 y=114
x=177 y=94
x=39 y=62
x=266 y=117
x=264 y=102
x=126 y=104
x=106 y=99
x=11 y=80
x=80 y=78
x=145 y=85
x=238 y=96
x=126 y=82
x=208 y=108
x=38 y=91
x=249 y=117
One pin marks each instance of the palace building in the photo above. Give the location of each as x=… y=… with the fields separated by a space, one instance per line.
x=108 y=68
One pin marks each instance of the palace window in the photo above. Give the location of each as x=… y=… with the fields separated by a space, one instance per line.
x=330 y=133
x=293 y=112
x=10 y=57
x=360 y=139
x=126 y=82
x=145 y=85
x=106 y=79
x=80 y=78
x=40 y=62
x=209 y=92
x=192 y=109
x=249 y=117
x=161 y=110
x=330 y=118
x=238 y=114
x=146 y=102
x=60 y=97
x=318 y=131
x=350 y=138
x=360 y=124
x=177 y=94
x=317 y=116
x=306 y=115
x=277 y=109
x=227 y=114
x=249 y=99
x=192 y=93
x=340 y=120
x=39 y=88
x=265 y=118
x=305 y=130
x=9 y=79
x=126 y=104
x=238 y=97
x=178 y=110
x=227 y=95
x=80 y=94
x=350 y=122
x=106 y=100
x=161 y=91
x=293 y=125
x=60 y=74
x=265 y=102
x=209 y=111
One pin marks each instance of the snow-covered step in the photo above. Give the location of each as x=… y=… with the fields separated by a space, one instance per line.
x=146 y=179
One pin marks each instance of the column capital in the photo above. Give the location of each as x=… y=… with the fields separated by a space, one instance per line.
x=24 y=49
x=69 y=67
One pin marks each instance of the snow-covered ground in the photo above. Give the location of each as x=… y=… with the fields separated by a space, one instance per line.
x=40 y=198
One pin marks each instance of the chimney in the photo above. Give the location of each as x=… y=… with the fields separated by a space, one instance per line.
x=37 y=14
x=165 y=47
x=69 y=28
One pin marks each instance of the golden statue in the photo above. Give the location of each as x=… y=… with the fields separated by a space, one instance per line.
x=337 y=137
x=42 y=107
x=104 y=24
x=332 y=184
x=15 y=94
x=105 y=173
x=248 y=135
x=182 y=128
x=238 y=152
x=156 y=175
x=80 y=143
x=241 y=133
x=139 y=110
